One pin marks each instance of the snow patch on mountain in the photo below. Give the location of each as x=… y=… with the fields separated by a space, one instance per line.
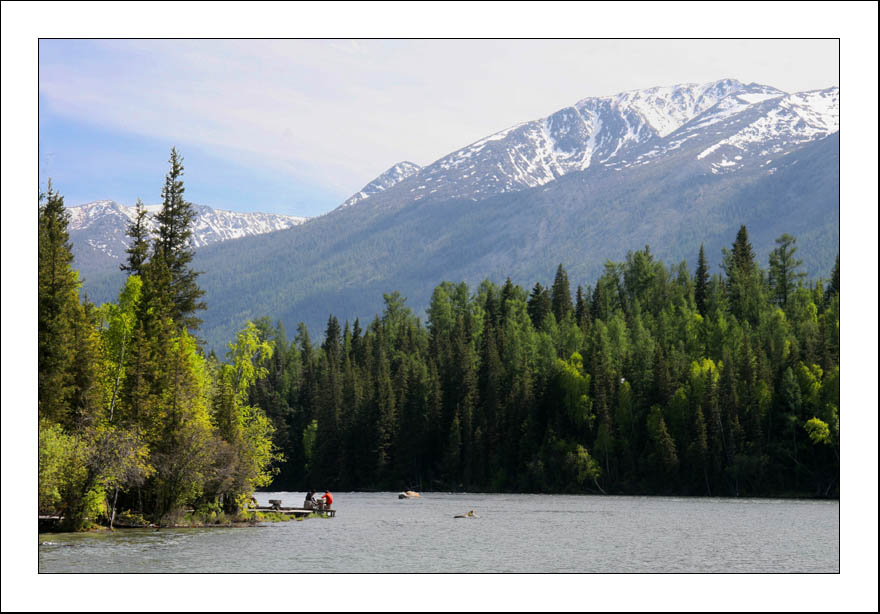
x=713 y=122
x=103 y=224
x=668 y=108
x=794 y=119
x=631 y=128
x=386 y=180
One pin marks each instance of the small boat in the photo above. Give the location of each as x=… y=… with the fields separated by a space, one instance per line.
x=470 y=514
x=409 y=494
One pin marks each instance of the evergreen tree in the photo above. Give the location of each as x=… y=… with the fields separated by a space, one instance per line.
x=663 y=448
x=332 y=342
x=172 y=249
x=598 y=308
x=139 y=247
x=639 y=275
x=560 y=296
x=490 y=377
x=507 y=293
x=783 y=275
x=701 y=288
x=67 y=343
x=539 y=305
x=581 y=308
x=743 y=278
x=385 y=421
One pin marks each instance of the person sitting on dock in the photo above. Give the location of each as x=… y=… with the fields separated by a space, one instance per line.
x=310 y=500
x=327 y=499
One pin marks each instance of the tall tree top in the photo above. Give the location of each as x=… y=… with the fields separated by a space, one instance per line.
x=701 y=287
x=561 y=295
x=54 y=219
x=176 y=215
x=140 y=239
x=743 y=254
x=172 y=250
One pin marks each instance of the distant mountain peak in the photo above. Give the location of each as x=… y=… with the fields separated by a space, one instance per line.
x=666 y=166
x=630 y=128
x=388 y=179
x=102 y=225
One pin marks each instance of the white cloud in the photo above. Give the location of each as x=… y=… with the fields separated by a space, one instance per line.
x=338 y=112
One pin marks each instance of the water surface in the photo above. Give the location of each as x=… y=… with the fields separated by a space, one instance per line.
x=377 y=532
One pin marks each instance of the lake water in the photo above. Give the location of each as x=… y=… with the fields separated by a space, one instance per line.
x=377 y=532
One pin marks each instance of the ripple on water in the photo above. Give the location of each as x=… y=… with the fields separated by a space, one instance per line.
x=377 y=532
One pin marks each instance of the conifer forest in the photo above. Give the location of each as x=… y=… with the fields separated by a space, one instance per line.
x=656 y=379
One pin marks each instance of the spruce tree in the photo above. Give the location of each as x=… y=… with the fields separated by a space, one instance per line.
x=138 y=249
x=598 y=310
x=784 y=276
x=490 y=378
x=539 y=305
x=332 y=342
x=560 y=297
x=743 y=254
x=385 y=416
x=59 y=313
x=701 y=288
x=581 y=308
x=507 y=292
x=743 y=278
x=172 y=249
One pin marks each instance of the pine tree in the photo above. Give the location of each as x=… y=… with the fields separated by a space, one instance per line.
x=663 y=448
x=385 y=416
x=701 y=289
x=581 y=308
x=507 y=293
x=560 y=295
x=539 y=305
x=698 y=451
x=329 y=402
x=332 y=342
x=743 y=278
x=783 y=276
x=599 y=302
x=172 y=249
x=62 y=324
x=138 y=249
x=490 y=376
x=743 y=254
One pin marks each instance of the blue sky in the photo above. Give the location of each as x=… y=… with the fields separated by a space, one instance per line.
x=87 y=162
x=297 y=126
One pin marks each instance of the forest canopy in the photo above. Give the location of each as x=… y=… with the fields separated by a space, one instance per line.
x=655 y=380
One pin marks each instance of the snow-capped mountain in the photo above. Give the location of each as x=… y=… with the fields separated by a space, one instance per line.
x=729 y=122
x=675 y=168
x=389 y=178
x=101 y=226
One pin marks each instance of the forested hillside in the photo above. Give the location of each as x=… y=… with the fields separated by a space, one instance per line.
x=657 y=380
x=674 y=167
x=345 y=261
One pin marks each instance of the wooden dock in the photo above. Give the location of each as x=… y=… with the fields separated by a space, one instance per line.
x=296 y=512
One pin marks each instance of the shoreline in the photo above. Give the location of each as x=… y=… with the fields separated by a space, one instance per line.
x=782 y=496
x=51 y=524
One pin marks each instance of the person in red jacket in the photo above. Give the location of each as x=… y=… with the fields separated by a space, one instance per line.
x=327 y=498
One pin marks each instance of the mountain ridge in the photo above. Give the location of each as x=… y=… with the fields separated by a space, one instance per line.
x=98 y=232
x=580 y=186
